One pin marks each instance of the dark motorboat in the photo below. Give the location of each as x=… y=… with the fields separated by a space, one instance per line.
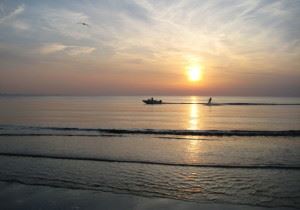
x=152 y=101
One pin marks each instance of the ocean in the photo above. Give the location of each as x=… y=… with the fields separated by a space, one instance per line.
x=241 y=150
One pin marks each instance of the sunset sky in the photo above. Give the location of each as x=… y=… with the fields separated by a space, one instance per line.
x=147 y=47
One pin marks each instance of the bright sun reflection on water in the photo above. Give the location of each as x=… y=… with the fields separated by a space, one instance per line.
x=193 y=121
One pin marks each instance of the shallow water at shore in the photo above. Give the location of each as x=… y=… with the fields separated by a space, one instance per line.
x=44 y=197
x=202 y=185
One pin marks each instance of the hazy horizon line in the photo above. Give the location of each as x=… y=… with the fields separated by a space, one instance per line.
x=135 y=95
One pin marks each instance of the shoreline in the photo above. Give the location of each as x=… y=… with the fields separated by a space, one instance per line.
x=21 y=196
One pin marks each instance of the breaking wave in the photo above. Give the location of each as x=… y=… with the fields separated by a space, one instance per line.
x=12 y=130
x=65 y=157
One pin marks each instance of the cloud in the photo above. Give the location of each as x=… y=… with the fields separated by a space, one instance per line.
x=11 y=18
x=20 y=25
x=20 y=9
x=67 y=49
x=275 y=9
x=52 y=48
x=74 y=50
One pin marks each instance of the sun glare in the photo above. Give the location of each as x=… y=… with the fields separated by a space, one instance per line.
x=194 y=73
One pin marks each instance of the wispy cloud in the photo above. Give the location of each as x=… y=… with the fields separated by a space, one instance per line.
x=11 y=15
x=67 y=49
x=11 y=18
x=75 y=50
x=52 y=48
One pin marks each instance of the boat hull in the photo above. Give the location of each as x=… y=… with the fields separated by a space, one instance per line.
x=152 y=102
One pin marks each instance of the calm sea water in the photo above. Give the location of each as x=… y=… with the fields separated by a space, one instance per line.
x=240 y=154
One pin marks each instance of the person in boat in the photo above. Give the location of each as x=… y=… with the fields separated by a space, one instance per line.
x=152 y=101
x=209 y=101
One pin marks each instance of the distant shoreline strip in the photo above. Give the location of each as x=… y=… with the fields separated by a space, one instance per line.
x=280 y=167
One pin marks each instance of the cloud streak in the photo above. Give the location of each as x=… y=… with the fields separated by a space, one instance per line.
x=11 y=19
x=20 y=9
x=67 y=49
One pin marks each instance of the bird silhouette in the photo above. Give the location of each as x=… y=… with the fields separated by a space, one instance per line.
x=84 y=24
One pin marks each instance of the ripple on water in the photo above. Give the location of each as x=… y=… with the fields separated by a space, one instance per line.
x=238 y=186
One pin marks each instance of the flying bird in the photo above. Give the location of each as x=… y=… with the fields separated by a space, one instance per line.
x=84 y=24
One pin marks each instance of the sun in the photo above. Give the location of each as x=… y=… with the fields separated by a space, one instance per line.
x=194 y=73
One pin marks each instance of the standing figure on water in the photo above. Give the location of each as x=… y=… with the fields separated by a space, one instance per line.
x=209 y=101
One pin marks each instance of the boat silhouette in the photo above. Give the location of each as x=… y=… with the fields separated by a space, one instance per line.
x=152 y=101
